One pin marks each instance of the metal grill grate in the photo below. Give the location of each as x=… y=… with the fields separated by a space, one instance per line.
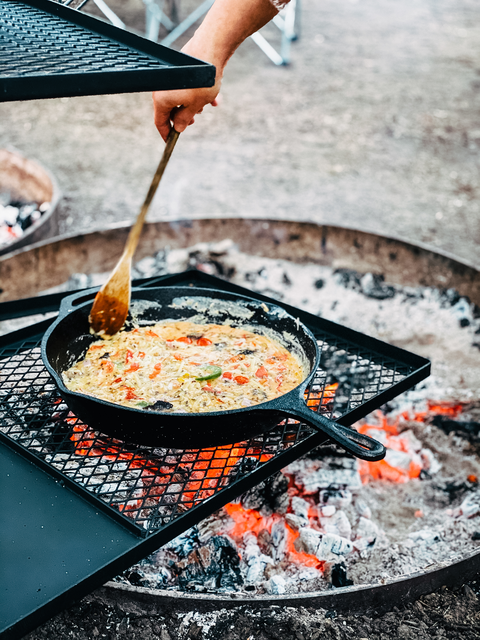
x=78 y=55
x=39 y=47
x=148 y=487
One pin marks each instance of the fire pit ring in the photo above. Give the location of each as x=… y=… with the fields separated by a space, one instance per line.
x=50 y=262
x=401 y=262
x=27 y=180
x=375 y=597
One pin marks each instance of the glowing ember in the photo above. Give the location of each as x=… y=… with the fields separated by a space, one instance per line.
x=251 y=521
x=406 y=458
x=195 y=474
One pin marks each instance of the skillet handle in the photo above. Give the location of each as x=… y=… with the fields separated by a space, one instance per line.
x=358 y=444
x=71 y=302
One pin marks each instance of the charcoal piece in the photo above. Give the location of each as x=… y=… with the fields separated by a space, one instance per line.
x=453 y=489
x=223 y=270
x=476 y=535
x=449 y=297
x=348 y=278
x=468 y=430
x=134 y=578
x=269 y=496
x=339 y=576
x=265 y=541
x=216 y=564
x=373 y=286
x=185 y=543
x=318 y=284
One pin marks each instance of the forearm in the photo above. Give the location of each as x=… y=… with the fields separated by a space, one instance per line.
x=226 y=26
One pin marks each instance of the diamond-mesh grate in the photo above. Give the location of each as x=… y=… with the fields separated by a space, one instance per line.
x=152 y=487
x=35 y=43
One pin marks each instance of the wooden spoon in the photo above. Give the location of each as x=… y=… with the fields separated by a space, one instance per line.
x=110 y=307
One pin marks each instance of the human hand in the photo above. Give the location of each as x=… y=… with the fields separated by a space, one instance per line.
x=179 y=108
x=224 y=28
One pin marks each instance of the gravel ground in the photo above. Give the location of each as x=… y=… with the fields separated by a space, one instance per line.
x=444 y=614
x=374 y=125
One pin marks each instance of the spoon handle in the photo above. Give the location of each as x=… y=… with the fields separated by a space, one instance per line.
x=135 y=231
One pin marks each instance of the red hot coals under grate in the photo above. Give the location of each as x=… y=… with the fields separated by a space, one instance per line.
x=151 y=487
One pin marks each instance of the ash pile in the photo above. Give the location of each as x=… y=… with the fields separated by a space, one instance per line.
x=17 y=216
x=329 y=520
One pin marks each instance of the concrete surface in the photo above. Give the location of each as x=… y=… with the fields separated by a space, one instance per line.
x=375 y=125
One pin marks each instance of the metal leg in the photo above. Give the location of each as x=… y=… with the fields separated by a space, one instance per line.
x=285 y=21
x=187 y=23
x=154 y=17
x=267 y=48
x=109 y=14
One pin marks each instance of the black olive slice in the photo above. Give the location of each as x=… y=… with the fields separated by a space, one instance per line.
x=160 y=405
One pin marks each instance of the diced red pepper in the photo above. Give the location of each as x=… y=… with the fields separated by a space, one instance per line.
x=177 y=357
x=141 y=354
x=107 y=365
x=130 y=395
x=151 y=333
x=129 y=356
x=185 y=339
x=156 y=370
x=117 y=380
x=203 y=342
x=241 y=379
x=227 y=375
x=133 y=367
x=94 y=347
x=262 y=373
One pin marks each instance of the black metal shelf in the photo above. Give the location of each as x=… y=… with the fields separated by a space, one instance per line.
x=48 y=50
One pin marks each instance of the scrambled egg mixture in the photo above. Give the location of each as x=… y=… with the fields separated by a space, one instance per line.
x=186 y=367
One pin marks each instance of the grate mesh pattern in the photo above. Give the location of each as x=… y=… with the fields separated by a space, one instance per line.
x=35 y=43
x=152 y=487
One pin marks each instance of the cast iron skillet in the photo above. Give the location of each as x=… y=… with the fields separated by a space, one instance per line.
x=68 y=339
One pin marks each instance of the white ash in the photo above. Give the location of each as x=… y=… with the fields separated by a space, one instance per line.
x=377 y=530
x=16 y=217
x=437 y=324
x=395 y=529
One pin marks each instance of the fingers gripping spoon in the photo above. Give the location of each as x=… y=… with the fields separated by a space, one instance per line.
x=110 y=307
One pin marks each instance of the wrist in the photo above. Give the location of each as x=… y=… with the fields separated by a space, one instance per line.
x=199 y=47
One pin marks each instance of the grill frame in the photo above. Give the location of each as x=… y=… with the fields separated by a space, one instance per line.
x=51 y=32
x=136 y=543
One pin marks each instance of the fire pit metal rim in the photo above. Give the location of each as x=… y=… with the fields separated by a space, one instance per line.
x=351 y=598
x=34 y=231
x=124 y=226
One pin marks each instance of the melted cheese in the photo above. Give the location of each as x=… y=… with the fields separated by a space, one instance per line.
x=186 y=367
